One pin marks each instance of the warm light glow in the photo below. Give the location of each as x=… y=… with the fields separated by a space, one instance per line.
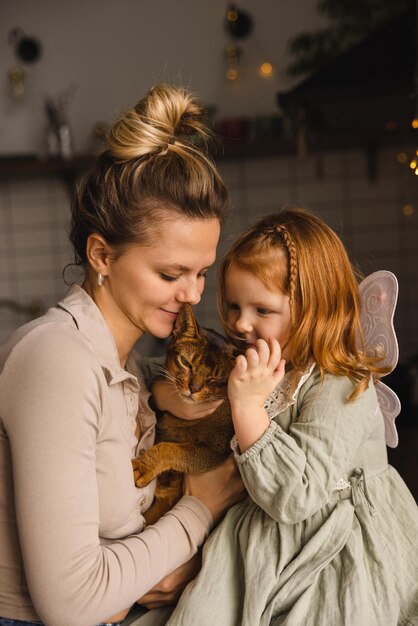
x=232 y=16
x=401 y=157
x=413 y=164
x=266 y=69
x=232 y=73
x=414 y=122
x=408 y=209
x=416 y=172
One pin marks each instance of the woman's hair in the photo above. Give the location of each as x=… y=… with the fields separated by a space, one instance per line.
x=296 y=253
x=155 y=160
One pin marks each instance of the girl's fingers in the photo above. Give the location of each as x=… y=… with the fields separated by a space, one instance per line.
x=263 y=352
x=275 y=353
x=279 y=372
x=240 y=364
x=252 y=356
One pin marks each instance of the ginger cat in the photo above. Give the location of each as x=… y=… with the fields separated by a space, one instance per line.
x=199 y=361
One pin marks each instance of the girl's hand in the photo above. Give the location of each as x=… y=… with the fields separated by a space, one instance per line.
x=256 y=374
x=253 y=378
x=167 y=398
x=170 y=588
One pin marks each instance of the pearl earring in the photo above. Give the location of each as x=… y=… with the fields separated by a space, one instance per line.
x=100 y=279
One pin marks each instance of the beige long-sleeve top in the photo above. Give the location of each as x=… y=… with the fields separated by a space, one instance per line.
x=72 y=546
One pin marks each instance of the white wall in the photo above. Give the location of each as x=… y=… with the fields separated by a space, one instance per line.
x=112 y=51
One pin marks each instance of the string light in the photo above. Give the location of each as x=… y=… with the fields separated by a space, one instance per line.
x=239 y=26
x=407 y=210
x=414 y=123
x=232 y=15
x=266 y=69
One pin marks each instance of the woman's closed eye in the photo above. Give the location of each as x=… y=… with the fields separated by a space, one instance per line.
x=171 y=279
x=168 y=277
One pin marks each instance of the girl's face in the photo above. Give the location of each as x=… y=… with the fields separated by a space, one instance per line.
x=253 y=311
x=145 y=287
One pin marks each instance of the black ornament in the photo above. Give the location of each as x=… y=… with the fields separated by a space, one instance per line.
x=28 y=49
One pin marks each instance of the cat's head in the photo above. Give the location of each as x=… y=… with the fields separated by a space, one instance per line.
x=199 y=360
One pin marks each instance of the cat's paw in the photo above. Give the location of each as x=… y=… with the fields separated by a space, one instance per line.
x=143 y=473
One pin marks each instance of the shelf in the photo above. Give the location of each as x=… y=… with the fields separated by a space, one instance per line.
x=31 y=166
x=26 y=166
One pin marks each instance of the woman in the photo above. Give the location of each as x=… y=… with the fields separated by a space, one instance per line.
x=73 y=409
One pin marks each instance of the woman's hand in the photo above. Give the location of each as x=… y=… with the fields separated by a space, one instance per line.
x=253 y=378
x=170 y=588
x=167 y=398
x=218 y=489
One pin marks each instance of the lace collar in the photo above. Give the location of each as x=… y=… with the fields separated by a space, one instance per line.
x=285 y=394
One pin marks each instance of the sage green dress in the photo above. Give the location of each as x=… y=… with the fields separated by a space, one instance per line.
x=329 y=534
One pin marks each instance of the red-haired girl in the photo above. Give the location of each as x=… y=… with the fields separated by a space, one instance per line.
x=329 y=533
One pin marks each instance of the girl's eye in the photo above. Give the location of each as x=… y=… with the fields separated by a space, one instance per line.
x=262 y=311
x=168 y=278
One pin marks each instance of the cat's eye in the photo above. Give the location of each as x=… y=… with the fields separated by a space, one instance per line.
x=216 y=381
x=184 y=362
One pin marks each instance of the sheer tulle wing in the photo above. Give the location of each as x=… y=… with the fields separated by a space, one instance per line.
x=391 y=407
x=378 y=296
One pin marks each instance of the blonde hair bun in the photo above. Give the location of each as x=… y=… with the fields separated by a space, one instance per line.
x=167 y=118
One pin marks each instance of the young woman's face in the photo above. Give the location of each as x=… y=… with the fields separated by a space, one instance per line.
x=147 y=284
x=253 y=311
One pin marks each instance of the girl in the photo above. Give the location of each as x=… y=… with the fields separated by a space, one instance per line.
x=73 y=405
x=329 y=535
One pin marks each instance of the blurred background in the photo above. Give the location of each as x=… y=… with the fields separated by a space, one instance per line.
x=315 y=103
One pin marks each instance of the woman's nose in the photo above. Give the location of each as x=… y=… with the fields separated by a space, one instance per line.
x=190 y=294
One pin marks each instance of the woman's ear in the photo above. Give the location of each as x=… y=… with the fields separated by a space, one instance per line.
x=98 y=253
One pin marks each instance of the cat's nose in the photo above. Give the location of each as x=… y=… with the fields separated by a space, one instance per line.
x=194 y=387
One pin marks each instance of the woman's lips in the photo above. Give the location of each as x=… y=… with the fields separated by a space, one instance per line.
x=171 y=314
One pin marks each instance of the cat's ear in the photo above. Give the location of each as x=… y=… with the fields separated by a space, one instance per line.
x=186 y=324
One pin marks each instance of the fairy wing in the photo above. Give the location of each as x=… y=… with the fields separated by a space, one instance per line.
x=378 y=297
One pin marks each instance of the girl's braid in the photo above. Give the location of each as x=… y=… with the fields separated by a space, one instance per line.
x=291 y=250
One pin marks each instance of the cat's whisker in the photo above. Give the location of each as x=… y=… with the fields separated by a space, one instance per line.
x=168 y=375
x=161 y=369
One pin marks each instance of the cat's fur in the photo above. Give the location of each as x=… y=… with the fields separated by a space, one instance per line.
x=199 y=361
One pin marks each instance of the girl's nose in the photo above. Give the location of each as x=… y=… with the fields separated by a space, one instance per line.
x=243 y=324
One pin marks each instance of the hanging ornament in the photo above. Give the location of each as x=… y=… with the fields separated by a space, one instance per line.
x=27 y=50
